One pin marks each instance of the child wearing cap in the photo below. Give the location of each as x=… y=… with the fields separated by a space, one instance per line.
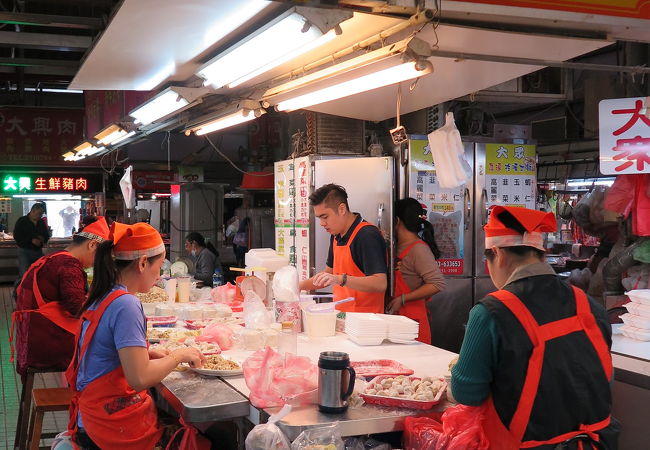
x=536 y=352
x=112 y=367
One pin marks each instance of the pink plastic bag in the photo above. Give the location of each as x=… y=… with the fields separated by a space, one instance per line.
x=219 y=334
x=273 y=379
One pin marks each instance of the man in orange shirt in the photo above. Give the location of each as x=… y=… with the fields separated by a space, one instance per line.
x=356 y=263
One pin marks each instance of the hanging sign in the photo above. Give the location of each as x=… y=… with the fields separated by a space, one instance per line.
x=639 y=9
x=510 y=171
x=20 y=183
x=624 y=135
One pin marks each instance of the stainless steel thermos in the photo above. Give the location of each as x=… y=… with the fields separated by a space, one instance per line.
x=335 y=382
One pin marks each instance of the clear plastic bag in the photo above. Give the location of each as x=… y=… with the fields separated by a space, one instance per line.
x=268 y=436
x=274 y=379
x=358 y=443
x=256 y=316
x=328 y=437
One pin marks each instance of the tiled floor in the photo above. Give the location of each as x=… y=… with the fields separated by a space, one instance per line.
x=54 y=422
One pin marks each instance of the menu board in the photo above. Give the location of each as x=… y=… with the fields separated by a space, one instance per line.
x=444 y=207
x=292 y=190
x=510 y=175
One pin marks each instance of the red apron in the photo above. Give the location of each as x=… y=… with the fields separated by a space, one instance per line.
x=414 y=309
x=372 y=302
x=114 y=415
x=51 y=310
x=502 y=438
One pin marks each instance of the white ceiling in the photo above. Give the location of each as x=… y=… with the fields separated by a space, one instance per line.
x=452 y=79
x=145 y=37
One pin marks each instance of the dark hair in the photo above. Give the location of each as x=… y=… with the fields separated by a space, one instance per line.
x=520 y=251
x=40 y=206
x=199 y=239
x=105 y=272
x=413 y=217
x=331 y=194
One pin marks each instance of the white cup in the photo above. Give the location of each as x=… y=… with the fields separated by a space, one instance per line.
x=184 y=287
x=170 y=289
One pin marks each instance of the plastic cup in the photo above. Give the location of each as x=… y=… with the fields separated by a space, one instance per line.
x=184 y=288
x=170 y=289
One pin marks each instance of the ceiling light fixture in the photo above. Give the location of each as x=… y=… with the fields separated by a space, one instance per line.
x=72 y=156
x=293 y=33
x=242 y=112
x=171 y=100
x=112 y=134
x=381 y=78
x=87 y=149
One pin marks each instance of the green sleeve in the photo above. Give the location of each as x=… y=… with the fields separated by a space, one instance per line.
x=472 y=375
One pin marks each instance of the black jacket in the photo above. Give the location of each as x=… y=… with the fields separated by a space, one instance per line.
x=25 y=231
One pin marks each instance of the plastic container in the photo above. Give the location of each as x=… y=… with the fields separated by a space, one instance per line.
x=639 y=309
x=396 y=402
x=378 y=367
x=217 y=278
x=640 y=296
x=287 y=340
x=170 y=289
x=184 y=288
x=362 y=340
x=265 y=257
x=636 y=321
x=320 y=324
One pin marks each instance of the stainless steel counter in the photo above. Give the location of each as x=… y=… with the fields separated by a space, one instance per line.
x=201 y=399
x=365 y=419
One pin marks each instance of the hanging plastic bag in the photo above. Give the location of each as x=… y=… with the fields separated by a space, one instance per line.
x=452 y=170
x=273 y=379
x=619 y=198
x=256 y=316
x=328 y=437
x=267 y=435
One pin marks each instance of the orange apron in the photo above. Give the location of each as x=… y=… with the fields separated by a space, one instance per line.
x=372 y=302
x=502 y=438
x=414 y=309
x=114 y=415
x=51 y=310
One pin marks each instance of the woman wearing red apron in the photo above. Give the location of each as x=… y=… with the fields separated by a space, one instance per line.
x=49 y=298
x=417 y=276
x=112 y=367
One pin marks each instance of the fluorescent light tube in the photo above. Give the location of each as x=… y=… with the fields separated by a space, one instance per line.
x=111 y=135
x=87 y=149
x=364 y=83
x=161 y=105
x=122 y=138
x=266 y=49
x=241 y=116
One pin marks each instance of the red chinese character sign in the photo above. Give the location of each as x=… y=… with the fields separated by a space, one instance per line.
x=624 y=136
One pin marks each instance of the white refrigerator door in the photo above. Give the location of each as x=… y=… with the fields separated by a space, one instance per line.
x=369 y=184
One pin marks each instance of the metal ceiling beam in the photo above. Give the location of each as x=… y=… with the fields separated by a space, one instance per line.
x=44 y=41
x=47 y=20
x=42 y=70
x=35 y=62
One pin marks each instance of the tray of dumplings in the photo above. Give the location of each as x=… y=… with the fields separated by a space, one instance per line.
x=405 y=391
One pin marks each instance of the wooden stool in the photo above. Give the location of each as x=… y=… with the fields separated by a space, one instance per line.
x=51 y=399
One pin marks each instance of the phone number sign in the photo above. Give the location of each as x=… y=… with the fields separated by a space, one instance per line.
x=451 y=266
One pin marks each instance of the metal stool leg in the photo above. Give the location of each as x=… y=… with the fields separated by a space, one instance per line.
x=24 y=410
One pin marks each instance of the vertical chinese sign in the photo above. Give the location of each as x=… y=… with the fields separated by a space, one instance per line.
x=292 y=188
x=38 y=136
x=444 y=206
x=624 y=135
x=511 y=172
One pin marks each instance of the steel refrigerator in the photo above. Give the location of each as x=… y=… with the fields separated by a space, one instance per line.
x=458 y=216
x=298 y=236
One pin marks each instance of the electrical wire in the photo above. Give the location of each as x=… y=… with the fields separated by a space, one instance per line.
x=233 y=164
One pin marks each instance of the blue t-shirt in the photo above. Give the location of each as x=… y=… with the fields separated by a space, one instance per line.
x=122 y=325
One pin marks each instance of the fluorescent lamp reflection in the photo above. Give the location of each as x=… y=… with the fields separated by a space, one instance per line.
x=241 y=116
x=364 y=83
x=158 y=107
x=266 y=49
x=157 y=78
x=591 y=182
x=245 y=11
x=48 y=196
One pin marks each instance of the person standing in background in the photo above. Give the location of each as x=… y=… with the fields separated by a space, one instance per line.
x=417 y=276
x=30 y=234
x=240 y=241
